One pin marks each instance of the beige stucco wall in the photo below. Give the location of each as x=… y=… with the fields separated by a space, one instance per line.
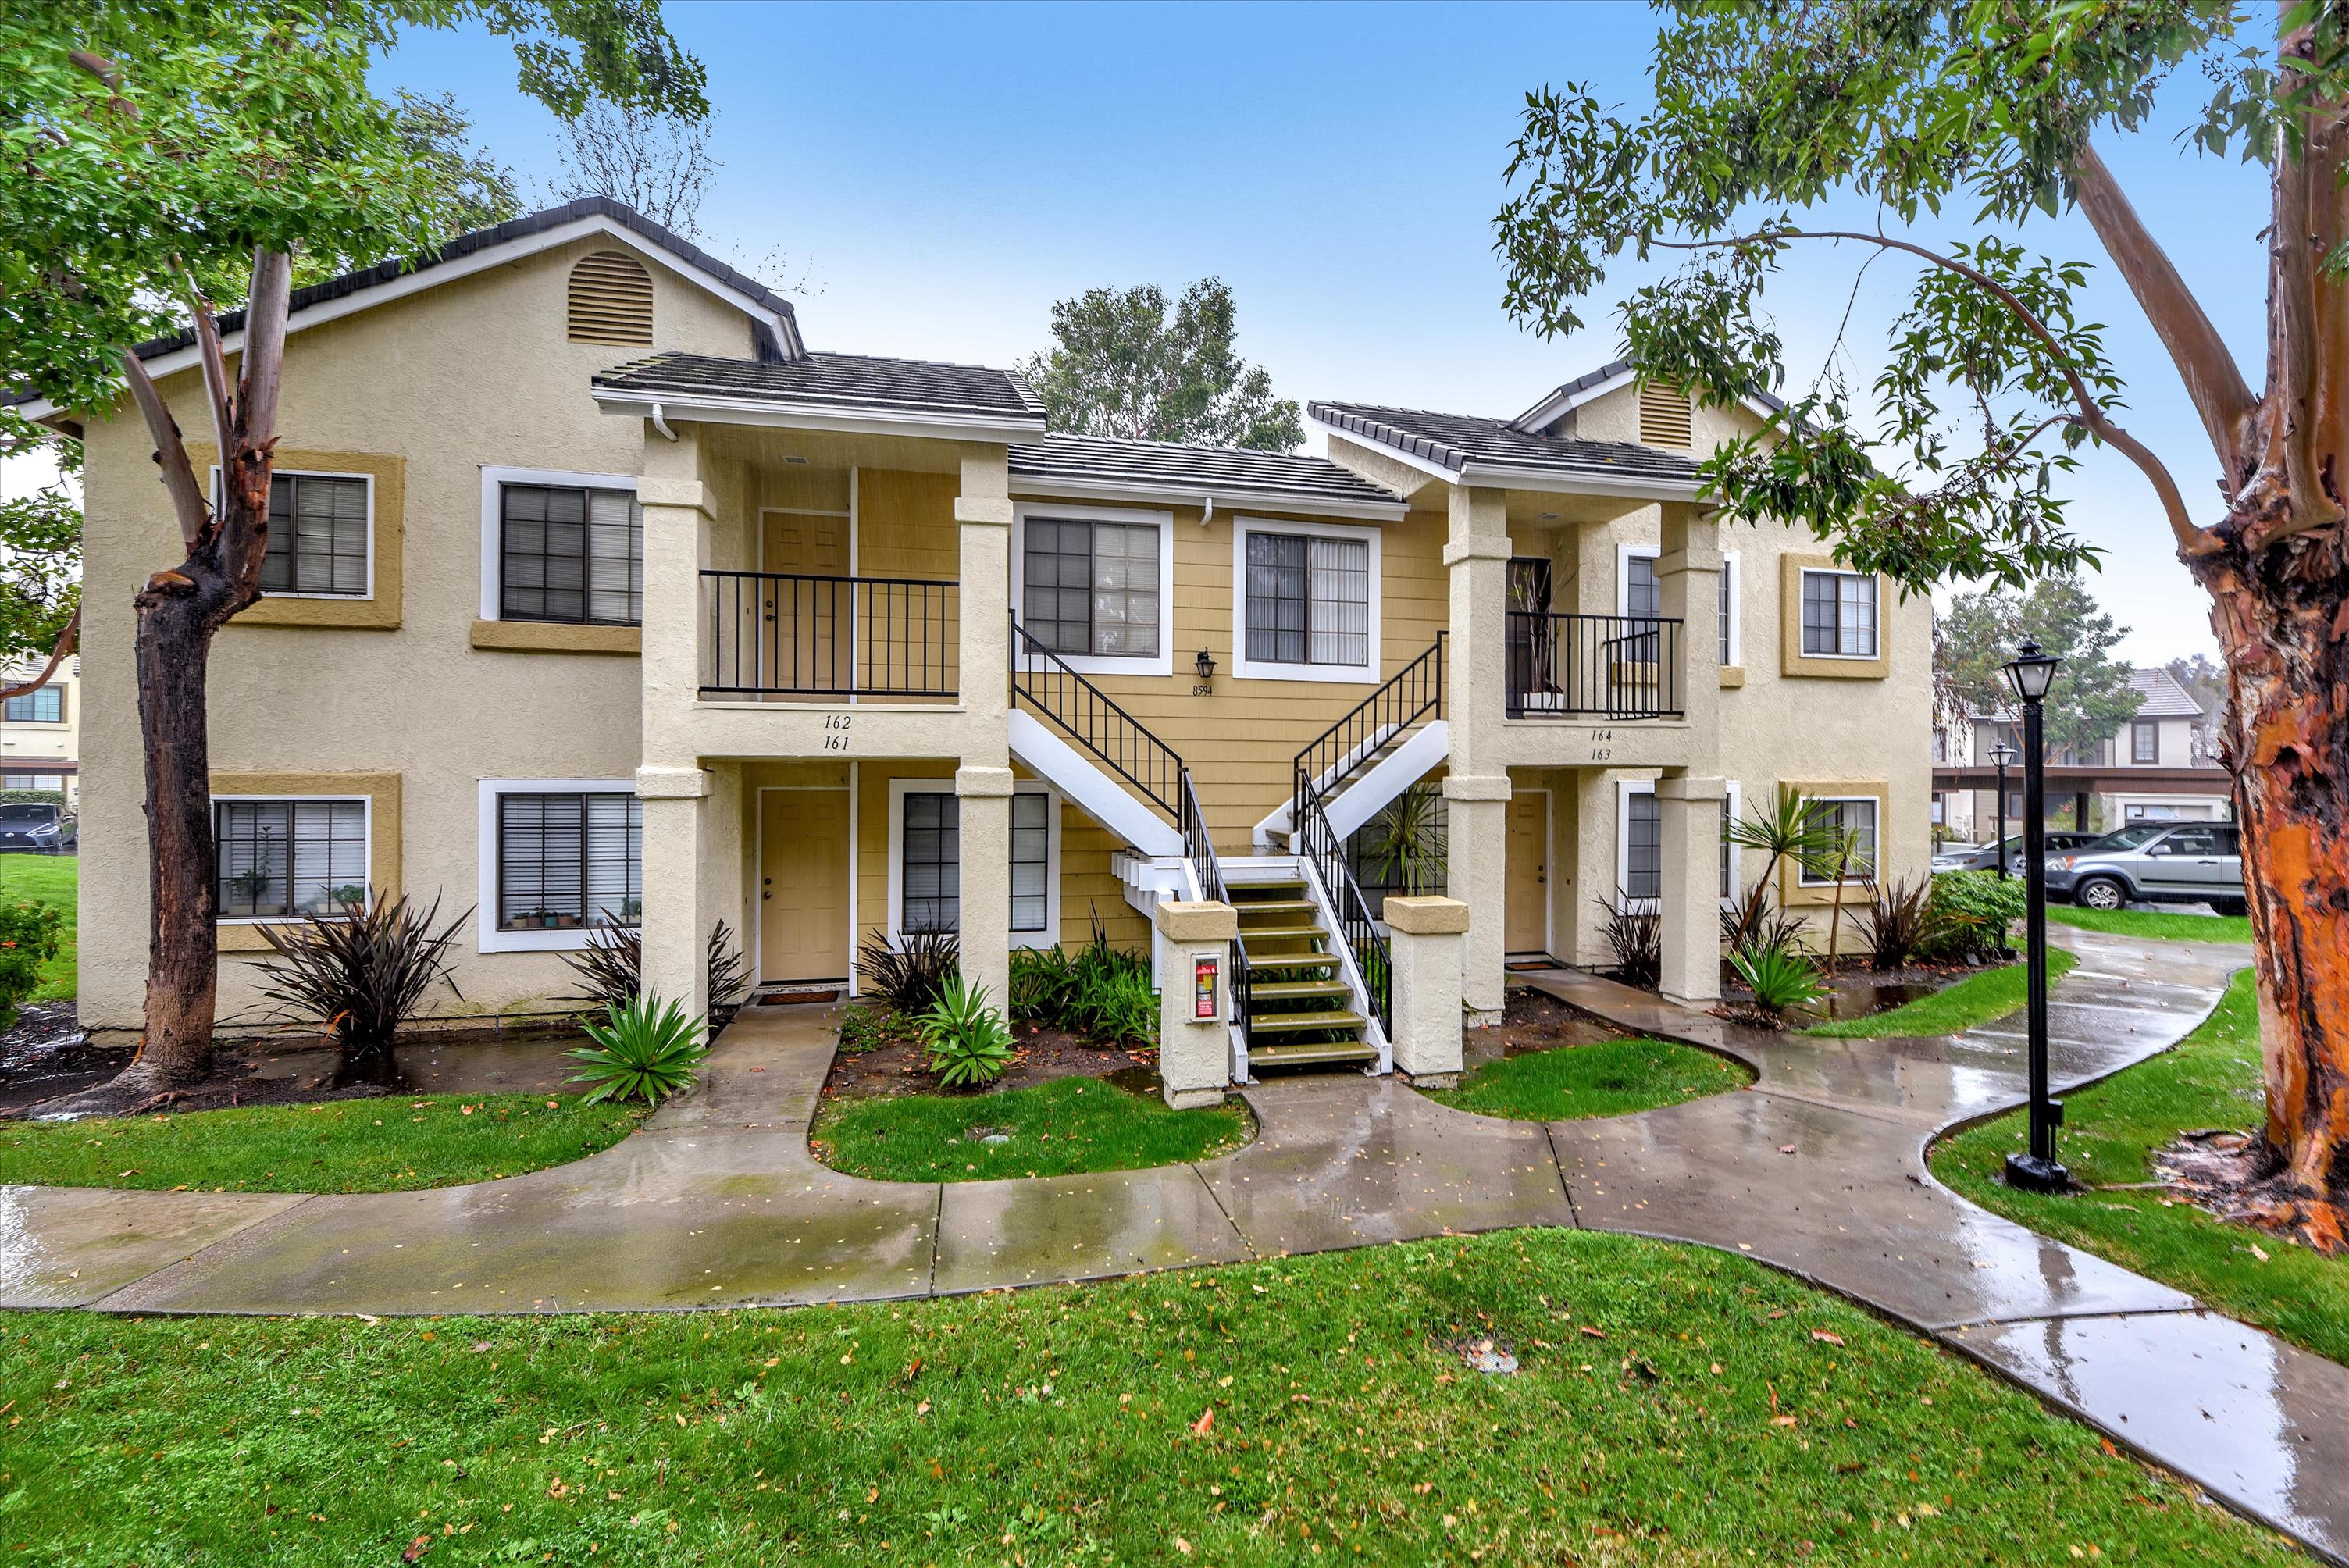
x=473 y=372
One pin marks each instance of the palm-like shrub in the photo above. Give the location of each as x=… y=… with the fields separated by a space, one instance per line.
x=640 y=1049
x=612 y=964
x=1790 y=826
x=1756 y=919
x=912 y=973
x=358 y=974
x=1779 y=977
x=1898 y=921
x=968 y=1042
x=1043 y=982
x=1634 y=931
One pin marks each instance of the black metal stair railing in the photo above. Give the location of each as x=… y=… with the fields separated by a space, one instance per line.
x=1199 y=849
x=1373 y=953
x=1415 y=692
x=1611 y=666
x=1093 y=721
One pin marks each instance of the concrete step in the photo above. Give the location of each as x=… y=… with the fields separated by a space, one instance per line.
x=1335 y=1054
x=1298 y=990
x=1287 y=961
x=1253 y=933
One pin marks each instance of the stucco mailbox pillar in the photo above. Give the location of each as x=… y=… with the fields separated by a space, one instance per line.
x=1427 y=934
x=1195 y=1052
x=1690 y=814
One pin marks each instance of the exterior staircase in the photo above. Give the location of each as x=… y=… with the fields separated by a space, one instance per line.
x=1297 y=1004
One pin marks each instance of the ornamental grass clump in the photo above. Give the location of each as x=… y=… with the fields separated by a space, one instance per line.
x=641 y=1049
x=359 y=972
x=968 y=1044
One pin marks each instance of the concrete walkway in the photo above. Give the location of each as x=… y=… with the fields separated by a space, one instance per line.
x=1818 y=1170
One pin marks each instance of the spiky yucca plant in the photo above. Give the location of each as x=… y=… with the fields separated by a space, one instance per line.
x=642 y=1049
x=359 y=973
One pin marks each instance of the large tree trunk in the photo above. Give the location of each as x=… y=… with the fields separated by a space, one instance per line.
x=2281 y=617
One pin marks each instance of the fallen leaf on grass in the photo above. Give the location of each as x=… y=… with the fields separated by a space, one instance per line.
x=1594 y=1333
x=1822 y=1333
x=1205 y=1424
x=416 y=1548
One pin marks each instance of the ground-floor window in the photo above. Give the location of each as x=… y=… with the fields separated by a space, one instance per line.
x=1643 y=873
x=926 y=852
x=568 y=861
x=1857 y=816
x=1032 y=859
x=279 y=859
x=31 y=781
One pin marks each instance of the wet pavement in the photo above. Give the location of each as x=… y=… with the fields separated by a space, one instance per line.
x=1818 y=1170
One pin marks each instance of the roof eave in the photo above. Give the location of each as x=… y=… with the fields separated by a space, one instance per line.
x=1057 y=486
x=945 y=425
x=1565 y=481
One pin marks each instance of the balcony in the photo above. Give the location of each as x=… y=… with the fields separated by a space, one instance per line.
x=792 y=635
x=1593 y=667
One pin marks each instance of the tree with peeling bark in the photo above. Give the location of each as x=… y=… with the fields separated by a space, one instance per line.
x=158 y=159
x=1949 y=464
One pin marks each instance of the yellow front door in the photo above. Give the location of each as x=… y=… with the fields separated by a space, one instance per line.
x=808 y=608
x=1527 y=929
x=802 y=884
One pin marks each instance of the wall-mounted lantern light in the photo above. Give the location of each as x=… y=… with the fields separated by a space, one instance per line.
x=1205 y=666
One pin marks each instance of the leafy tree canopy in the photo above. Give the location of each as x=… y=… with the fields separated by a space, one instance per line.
x=1949 y=464
x=1119 y=367
x=2091 y=698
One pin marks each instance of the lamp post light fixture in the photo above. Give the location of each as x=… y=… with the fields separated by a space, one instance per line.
x=2031 y=672
x=2003 y=755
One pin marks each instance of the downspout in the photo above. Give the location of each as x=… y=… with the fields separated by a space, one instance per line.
x=660 y=424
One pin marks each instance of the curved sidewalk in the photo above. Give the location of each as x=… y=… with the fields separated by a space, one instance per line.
x=1817 y=1169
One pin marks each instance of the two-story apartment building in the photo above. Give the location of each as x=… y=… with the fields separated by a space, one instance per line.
x=40 y=733
x=600 y=598
x=2157 y=767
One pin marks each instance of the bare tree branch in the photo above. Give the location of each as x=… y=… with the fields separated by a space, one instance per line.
x=2212 y=378
x=215 y=360
x=67 y=641
x=179 y=475
x=264 y=341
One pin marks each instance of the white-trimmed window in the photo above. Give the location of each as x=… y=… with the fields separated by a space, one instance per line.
x=1858 y=815
x=321 y=534
x=1733 y=619
x=562 y=547
x=925 y=861
x=2145 y=740
x=559 y=858
x=1305 y=601
x=281 y=857
x=43 y=705
x=1638 y=589
x=1840 y=615
x=1640 y=844
x=1095 y=585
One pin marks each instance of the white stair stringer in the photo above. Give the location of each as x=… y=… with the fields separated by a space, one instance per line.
x=1425 y=750
x=1373 y=1033
x=1091 y=790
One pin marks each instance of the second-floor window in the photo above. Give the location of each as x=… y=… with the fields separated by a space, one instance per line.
x=45 y=706
x=318 y=535
x=1839 y=615
x=570 y=552
x=1308 y=602
x=2145 y=740
x=1092 y=588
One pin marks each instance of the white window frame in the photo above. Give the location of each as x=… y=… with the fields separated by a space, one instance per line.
x=1731 y=574
x=1624 y=790
x=487 y=938
x=1101 y=663
x=1803 y=877
x=493 y=481
x=1248 y=669
x=368 y=479
x=1802 y=594
x=366 y=806
x=901 y=787
x=1624 y=556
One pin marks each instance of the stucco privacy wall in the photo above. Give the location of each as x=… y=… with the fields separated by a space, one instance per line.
x=471 y=372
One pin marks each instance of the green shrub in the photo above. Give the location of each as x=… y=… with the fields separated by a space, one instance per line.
x=29 y=937
x=1970 y=915
x=32 y=796
x=641 y=1050
x=1043 y=980
x=913 y=972
x=1778 y=978
x=966 y=1039
x=1104 y=993
x=1119 y=1008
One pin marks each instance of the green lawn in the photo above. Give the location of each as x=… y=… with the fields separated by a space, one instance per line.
x=388 y=1145
x=2150 y=922
x=1674 y=1406
x=1976 y=999
x=1056 y=1128
x=2212 y=1079
x=52 y=880
x=1608 y=1078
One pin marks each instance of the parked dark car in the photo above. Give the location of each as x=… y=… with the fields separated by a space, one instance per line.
x=2155 y=862
x=1985 y=857
x=38 y=826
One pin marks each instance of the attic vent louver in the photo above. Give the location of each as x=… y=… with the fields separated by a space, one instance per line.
x=611 y=300
x=1663 y=416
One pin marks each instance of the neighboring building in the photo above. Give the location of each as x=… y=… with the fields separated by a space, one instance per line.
x=601 y=599
x=40 y=733
x=2155 y=768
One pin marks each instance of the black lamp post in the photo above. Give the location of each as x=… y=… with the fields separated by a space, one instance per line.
x=2003 y=755
x=2031 y=672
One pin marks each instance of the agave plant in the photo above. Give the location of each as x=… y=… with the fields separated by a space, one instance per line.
x=1779 y=977
x=640 y=1049
x=965 y=1036
x=359 y=973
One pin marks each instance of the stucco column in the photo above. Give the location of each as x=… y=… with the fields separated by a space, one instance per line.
x=1688 y=580
x=1585 y=830
x=986 y=881
x=1427 y=934
x=675 y=804
x=1690 y=812
x=983 y=526
x=677 y=509
x=1476 y=787
x=1195 y=1052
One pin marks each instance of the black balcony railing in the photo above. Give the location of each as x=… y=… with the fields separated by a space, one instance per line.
x=1093 y=721
x=783 y=634
x=1609 y=666
x=1199 y=849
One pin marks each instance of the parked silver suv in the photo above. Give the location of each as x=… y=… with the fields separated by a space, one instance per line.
x=2155 y=862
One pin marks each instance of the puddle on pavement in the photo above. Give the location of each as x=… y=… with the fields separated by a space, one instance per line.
x=1857 y=997
x=1137 y=1080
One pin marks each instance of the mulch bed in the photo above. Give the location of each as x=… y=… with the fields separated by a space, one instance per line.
x=1045 y=1053
x=1535 y=1020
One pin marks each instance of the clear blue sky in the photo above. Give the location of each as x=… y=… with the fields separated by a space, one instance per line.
x=948 y=171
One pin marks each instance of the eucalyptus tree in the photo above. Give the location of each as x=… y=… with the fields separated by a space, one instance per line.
x=1955 y=117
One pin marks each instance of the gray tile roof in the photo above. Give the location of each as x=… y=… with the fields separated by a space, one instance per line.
x=1455 y=441
x=844 y=381
x=2164 y=698
x=1081 y=459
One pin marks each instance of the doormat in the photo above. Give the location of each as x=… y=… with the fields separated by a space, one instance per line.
x=798 y=997
x=1529 y=965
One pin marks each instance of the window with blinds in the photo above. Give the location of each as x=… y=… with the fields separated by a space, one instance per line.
x=1308 y=600
x=1838 y=615
x=1032 y=861
x=1663 y=416
x=569 y=861
x=318 y=535
x=611 y=300
x=1855 y=817
x=930 y=897
x=45 y=706
x=570 y=553
x=278 y=859
x=1643 y=847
